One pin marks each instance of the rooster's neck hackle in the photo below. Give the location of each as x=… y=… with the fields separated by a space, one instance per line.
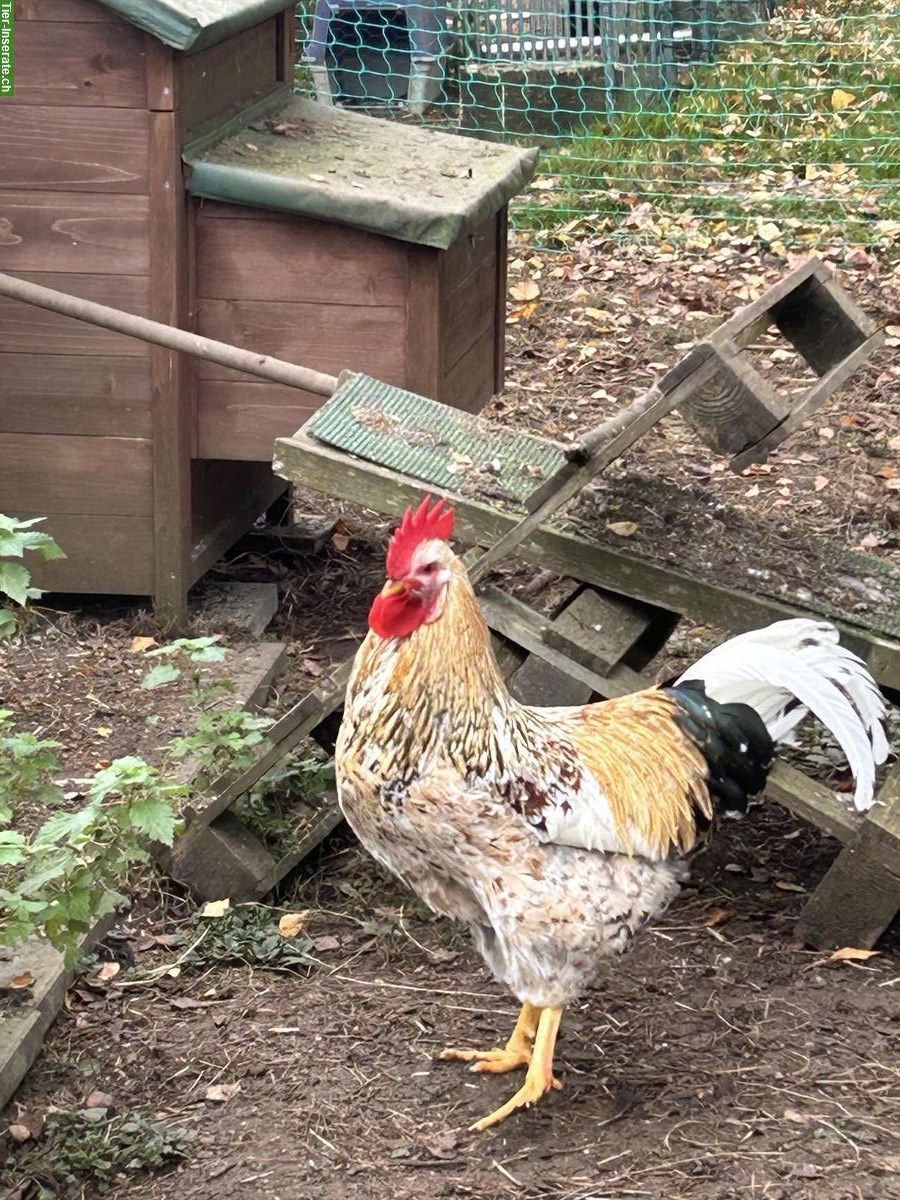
x=438 y=687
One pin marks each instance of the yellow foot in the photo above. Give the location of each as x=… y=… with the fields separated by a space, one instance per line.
x=529 y=1093
x=540 y=1078
x=516 y=1052
x=494 y=1062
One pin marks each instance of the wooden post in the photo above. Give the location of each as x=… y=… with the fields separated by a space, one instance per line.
x=859 y=895
x=173 y=392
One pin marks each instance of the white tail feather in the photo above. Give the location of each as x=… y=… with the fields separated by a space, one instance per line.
x=773 y=669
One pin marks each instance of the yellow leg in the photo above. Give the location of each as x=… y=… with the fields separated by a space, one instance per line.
x=539 y=1077
x=516 y=1052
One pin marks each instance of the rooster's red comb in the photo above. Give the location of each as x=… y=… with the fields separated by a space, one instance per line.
x=419 y=525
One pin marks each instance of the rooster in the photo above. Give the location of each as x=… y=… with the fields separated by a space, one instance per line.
x=556 y=833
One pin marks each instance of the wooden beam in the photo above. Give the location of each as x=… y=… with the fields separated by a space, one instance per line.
x=171 y=375
x=860 y=894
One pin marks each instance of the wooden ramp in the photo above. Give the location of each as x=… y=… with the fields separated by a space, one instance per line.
x=506 y=486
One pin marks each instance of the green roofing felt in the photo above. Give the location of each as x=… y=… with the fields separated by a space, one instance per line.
x=402 y=181
x=194 y=24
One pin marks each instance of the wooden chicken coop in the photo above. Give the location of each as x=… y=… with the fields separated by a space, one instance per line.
x=156 y=160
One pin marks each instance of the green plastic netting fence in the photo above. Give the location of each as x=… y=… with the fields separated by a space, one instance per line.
x=665 y=118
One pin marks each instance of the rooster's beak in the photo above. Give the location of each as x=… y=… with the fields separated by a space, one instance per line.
x=394 y=587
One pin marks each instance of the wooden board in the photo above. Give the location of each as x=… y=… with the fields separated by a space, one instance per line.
x=171 y=375
x=468 y=314
x=74 y=231
x=241 y=419
x=83 y=64
x=75 y=149
x=70 y=393
x=61 y=474
x=423 y=323
x=108 y=554
x=214 y=84
x=860 y=894
x=27 y=329
x=328 y=338
x=470 y=383
x=288 y=258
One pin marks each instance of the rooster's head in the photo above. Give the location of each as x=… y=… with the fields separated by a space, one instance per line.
x=419 y=572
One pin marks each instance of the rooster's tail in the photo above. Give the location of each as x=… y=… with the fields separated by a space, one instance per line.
x=797 y=667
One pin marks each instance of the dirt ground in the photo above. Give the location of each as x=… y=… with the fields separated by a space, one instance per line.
x=719 y=1059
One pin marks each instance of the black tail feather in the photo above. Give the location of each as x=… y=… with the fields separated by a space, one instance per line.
x=731 y=737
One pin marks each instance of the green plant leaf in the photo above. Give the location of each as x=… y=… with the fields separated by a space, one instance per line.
x=12 y=848
x=8 y=623
x=164 y=673
x=14 y=581
x=154 y=818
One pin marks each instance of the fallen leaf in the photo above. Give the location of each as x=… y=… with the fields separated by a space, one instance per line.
x=841 y=99
x=851 y=954
x=103 y=731
x=869 y=542
x=785 y=885
x=596 y=314
x=820 y=482
x=108 y=971
x=25 y=980
x=19 y=1133
x=99 y=1100
x=140 y=644
x=527 y=290
x=218 y=1093
x=328 y=942
x=826 y=432
x=293 y=923
x=622 y=528
x=215 y=908
x=340 y=537
x=718 y=916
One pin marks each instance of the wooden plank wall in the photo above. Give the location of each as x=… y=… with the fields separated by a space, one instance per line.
x=75 y=215
x=101 y=429
x=322 y=295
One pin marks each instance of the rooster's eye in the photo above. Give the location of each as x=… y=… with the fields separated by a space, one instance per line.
x=429 y=568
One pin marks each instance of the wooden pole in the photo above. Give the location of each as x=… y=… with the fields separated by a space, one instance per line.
x=274 y=369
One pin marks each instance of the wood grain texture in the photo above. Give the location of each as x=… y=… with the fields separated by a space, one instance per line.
x=328 y=338
x=45 y=473
x=161 y=75
x=296 y=259
x=172 y=375
x=424 y=323
x=468 y=312
x=62 y=63
x=286 y=44
x=74 y=231
x=469 y=384
x=501 y=235
x=107 y=553
x=78 y=394
x=24 y=328
x=467 y=255
x=215 y=83
x=241 y=419
x=75 y=149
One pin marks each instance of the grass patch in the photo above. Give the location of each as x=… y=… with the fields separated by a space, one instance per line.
x=797 y=126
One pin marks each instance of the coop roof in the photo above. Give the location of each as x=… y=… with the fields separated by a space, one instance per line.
x=194 y=24
x=405 y=182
